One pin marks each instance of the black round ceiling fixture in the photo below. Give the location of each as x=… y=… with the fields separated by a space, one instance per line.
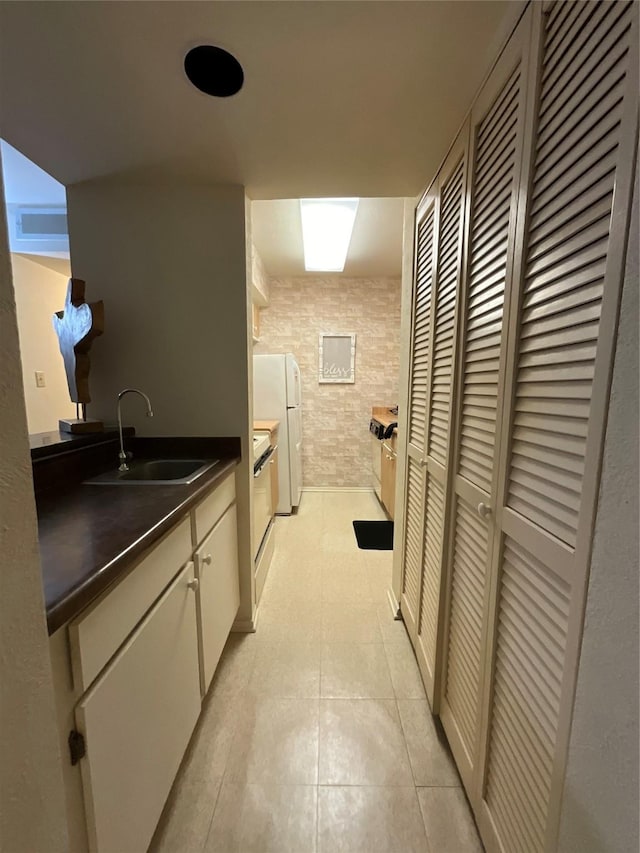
x=214 y=71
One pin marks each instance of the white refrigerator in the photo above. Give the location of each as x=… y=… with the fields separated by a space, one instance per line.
x=277 y=396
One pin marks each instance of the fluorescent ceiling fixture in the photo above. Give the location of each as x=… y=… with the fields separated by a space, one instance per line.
x=327 y=225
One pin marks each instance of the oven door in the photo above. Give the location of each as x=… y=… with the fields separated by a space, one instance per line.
x=376 y=465
x=262 y=509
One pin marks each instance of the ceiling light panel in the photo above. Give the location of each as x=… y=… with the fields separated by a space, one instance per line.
x=327 y=225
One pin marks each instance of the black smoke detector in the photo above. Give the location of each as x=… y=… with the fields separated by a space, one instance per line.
x=214 y=71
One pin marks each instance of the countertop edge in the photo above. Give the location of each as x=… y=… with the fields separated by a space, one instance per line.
x=63 y=611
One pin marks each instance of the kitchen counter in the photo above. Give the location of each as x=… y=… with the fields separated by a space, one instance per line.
x=265 y=426
x=90 y=535
x=43 y=444
x=384 y=416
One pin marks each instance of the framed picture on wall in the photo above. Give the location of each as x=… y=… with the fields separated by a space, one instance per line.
x=337 y=358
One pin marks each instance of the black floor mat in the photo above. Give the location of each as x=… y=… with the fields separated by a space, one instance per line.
x=374 y=535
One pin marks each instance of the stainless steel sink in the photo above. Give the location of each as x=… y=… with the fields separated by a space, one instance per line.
x=156 y=472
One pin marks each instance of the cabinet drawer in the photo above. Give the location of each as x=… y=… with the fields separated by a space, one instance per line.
x=97 y=634
x=210 y=509
x=137 y=720
x=219 y=591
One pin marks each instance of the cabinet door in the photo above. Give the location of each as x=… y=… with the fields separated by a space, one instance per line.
x=562 y=327
x=420 y=367
x=387 y=480
x=451 y=217
x=497 y=133
x=219 y=591
x=137 y=720
x=392 y=499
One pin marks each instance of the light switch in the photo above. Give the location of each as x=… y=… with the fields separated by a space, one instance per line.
x=40 y=383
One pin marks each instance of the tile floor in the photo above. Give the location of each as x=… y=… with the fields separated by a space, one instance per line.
x=316 y=734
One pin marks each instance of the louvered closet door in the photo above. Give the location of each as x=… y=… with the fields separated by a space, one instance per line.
x=451 y=185
x=417 y=416
x=497 y=133
x=563 y=323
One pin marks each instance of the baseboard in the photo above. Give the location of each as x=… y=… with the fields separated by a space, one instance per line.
x=337 y=489
x=263 y=560
x=246 y=626
x=394 y=604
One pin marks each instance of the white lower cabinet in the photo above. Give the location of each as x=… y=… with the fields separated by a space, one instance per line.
x=219 y=592
x=137 y=720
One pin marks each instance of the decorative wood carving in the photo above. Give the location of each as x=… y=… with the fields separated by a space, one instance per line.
x=76 y=327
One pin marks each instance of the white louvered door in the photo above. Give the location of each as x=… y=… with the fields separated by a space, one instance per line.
x=424 y=260
x=497 y=133
x=451 y=189
x=561 y=337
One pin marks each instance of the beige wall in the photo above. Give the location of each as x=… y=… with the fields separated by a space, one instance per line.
x=335 y=420
x=39 y=292
x=170 y=263
x=32 y=816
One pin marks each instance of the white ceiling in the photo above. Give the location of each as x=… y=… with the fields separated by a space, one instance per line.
x=376 y=243
x=26 y=183
x=340 y=98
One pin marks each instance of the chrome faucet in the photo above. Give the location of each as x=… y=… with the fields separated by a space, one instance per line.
x=122 y=456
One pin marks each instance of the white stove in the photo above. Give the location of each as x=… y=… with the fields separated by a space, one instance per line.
x=260 y=444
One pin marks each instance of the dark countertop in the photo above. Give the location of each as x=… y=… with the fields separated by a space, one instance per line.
x=90 y=535
x=44 y=444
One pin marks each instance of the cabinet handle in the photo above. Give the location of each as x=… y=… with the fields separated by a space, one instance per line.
x=424 y=462
x=193 y=584
x=207 y=560
x=484 y=510
x=272 y=462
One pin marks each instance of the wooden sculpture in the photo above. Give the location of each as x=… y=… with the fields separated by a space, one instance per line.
x=76 y=326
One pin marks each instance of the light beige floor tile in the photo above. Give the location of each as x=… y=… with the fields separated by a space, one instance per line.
x=297 y=568
x=235 y=666
x=350 y=622
x=211 y=742
x=355 y=671
x=392 y=630
x=370 y=820
x=185 y=822
x=338 y=566
x=378 y=594
x=362 y=743
x=287 y=669
x=292 y=591
x=310 y=504
x=381 y=559
x=344 y=580
x=337 y=541
x=281 y=621
x=405 y=675
x=429 y=753
x=448 y=821
x=303 y=540
x=264 y=819
x=276 y=742
x=189 y=809
x=379 y=579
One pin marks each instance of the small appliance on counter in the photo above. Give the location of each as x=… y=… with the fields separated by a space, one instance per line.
x=383 y=422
